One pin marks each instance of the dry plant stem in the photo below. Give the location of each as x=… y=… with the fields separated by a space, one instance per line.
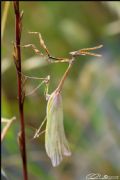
x=4 y=131
x=20 y=98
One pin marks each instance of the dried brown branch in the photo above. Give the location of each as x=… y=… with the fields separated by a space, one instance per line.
x=21 y=94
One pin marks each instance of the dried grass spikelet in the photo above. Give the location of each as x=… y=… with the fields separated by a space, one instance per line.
x=56 y=143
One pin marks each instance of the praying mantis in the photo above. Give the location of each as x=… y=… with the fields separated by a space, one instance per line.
x=56 y=143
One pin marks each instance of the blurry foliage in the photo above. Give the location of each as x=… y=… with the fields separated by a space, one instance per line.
x=91 y=95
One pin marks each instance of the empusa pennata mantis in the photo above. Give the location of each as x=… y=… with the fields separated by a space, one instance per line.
x=56 y=144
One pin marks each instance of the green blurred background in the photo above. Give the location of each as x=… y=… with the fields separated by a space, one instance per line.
x=91 y=93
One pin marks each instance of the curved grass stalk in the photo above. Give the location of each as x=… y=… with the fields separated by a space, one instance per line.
x=4 y=17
